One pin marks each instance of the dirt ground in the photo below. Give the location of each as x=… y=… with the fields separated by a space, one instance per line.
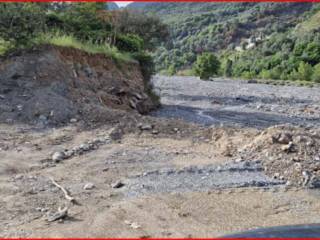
x=28 y=195
x=154 y=176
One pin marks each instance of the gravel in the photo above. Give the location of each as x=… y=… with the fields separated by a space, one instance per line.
x=236 y=103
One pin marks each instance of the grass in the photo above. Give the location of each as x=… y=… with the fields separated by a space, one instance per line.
x=5 y=47
x=64 y=40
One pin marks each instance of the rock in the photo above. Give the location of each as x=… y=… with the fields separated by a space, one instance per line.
x=145 y=127
x=155 y=132
x=19 y=107
x=134 y=225
x=117 y=184
x=43 y=118
x=61 y=214
x=238 y=160
x=284 y=138
x=84 y=147
x=58 y=156
x=2 y=97
x=73 y=120
x=252 y=81
x=89 y=186
x=137 y=96
x=116 y=134
x=69 y=153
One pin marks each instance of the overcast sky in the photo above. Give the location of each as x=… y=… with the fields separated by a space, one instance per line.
x=122 y=4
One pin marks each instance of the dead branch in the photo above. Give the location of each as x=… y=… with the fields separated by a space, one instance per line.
x=65 y=191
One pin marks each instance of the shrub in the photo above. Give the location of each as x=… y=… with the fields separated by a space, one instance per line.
x=129 y=43
x=172 y=70
x=305 y=71
x=146 y=64
x=206 y=66
x=316 y=73
x=21 y=22
x=228 y=68
x=147 y=69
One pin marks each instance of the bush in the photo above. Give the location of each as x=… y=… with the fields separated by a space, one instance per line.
x=21 y=22
x=228 y=68
x=305 y=71
x=129 y=43
x=172 y=70
x=316 y=73
x=206 y=66
x=146 y=64
x=147 y=69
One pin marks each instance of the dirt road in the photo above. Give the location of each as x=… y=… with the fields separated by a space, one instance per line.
x=165 y=178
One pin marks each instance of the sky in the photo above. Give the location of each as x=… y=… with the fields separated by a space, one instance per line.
x=122 y=4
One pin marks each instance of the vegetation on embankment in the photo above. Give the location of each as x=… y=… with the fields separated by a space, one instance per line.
x=251 y=40
x=89 y=27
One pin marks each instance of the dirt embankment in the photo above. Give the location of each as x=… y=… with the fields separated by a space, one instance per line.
x=53 y=85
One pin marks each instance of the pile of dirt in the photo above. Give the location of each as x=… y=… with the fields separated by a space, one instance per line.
x=288 y=153
x=55 y=85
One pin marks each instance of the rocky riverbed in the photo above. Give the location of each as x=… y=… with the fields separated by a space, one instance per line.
x=236 y=102
x=242 y=156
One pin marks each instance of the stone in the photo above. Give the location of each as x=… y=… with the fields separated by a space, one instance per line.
x=155 y=132
x=284 y=138
x=43 y=118
x=73 y=120
x=58 y=156
x=146 y=127
x=117 y=184
x=238 y=160
x=252 y=81
x=84 y=147
x=19 y=107
x=89 y=186
x=2 y=97
x=288 y=148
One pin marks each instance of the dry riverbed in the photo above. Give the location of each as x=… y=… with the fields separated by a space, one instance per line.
x=167 y=178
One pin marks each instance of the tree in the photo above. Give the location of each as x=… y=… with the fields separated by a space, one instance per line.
x=84 y=21
x=149 y=28
x=312 y=53
x=206 y=66
x=20 y=22
x=129 y=43
x=228 y=68
x=172 y=70
x=316 y=73
x=305 y=71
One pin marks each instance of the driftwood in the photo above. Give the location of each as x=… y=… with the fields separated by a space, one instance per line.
x=65 y=191
x=61 y=214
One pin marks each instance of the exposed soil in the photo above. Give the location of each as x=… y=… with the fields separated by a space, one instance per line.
x=52 y=85
x=146 y=176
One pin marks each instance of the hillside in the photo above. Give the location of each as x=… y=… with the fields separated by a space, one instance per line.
x=112 y=6
x=227 y=27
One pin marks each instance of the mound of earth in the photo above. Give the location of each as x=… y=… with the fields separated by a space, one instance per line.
x=288 y=153
x=53 y=85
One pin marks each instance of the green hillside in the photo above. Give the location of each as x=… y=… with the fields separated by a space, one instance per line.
x=240 y=32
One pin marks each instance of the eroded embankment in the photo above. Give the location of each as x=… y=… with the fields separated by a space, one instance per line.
x=52 y=85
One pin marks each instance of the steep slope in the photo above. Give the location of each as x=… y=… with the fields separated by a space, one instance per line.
x=198 y=27
x=112 y=6
x=52 y=85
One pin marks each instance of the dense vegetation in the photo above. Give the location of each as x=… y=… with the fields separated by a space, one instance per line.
x=206 y=66
x=87 y=26
x=251 y=40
